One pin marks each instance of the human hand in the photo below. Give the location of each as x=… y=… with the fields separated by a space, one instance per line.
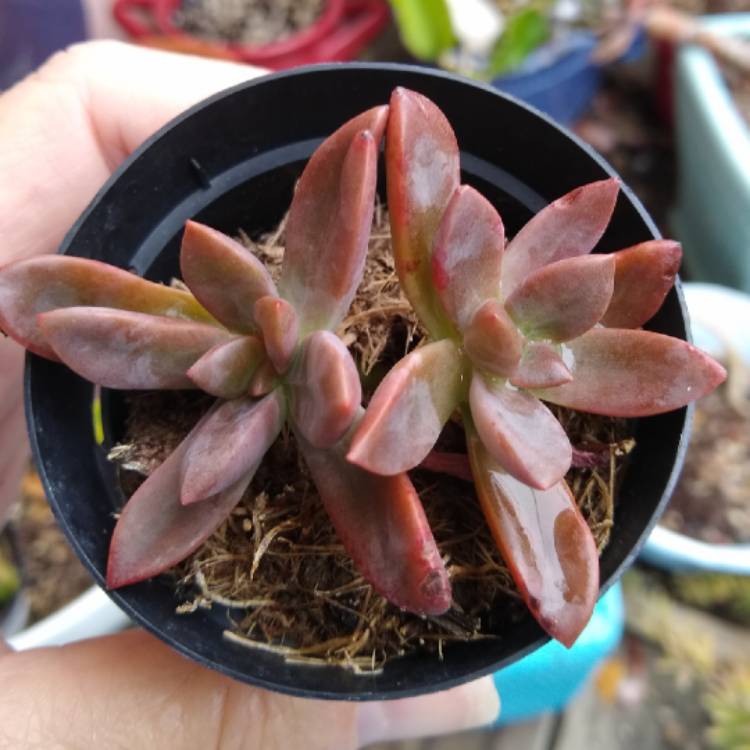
x=62 y=132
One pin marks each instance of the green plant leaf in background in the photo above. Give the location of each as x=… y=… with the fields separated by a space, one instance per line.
x=424 y=26
x=10 y=581
x=525 y=31
x=728 y=705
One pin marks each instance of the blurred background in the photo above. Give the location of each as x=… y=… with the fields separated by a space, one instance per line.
x=663 y=93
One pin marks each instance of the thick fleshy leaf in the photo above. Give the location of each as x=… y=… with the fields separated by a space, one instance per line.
x=225 y=371
x=122 y=349
x=329 y=222
x=409 y=408
x=644 y=274
x=541 y=367
x=225 y=276
x=546 y=543
x=38 y=285
x=566 y=228
x=422 y=173
x=325 y=389
x=520 y=433
x=279 y=327
x=625 y=373
x=492 y=340
x=383 y=527
x=155 y=531
x=467 y=255
x=233 y=440
x=564 y=299
x=264 y=379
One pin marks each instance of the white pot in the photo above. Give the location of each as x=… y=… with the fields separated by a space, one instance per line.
x=719 y=316
x=89 y=615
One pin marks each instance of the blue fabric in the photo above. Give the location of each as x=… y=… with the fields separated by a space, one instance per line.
x=546 y=680
x=31 y=30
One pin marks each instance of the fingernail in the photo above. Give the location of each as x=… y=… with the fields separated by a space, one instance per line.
x=465 y=707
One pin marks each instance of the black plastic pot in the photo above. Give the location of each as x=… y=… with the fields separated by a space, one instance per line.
x=232 y=162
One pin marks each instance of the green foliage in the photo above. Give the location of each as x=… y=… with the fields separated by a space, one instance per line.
x=728 y=705
x=711 y=590
x=10 y=581
x=424 y=26
x=525 y=31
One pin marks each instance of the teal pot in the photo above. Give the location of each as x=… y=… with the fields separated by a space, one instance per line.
x=713 y=145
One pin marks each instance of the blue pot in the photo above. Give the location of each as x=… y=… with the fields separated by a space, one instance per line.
x=549 y=679
x=561 y=78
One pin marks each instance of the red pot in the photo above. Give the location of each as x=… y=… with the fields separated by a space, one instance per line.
x=340 y=32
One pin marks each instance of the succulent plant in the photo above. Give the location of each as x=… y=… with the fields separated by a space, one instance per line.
x=512 y=327
x=540 y=319
x=269 y=357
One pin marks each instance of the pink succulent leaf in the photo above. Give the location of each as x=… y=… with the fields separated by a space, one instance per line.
x=564 y=299
x=225 y=276
x=644 y=274
x=541 y=367
x=155 y=531
x=492 y=341
x=422 y=173
x=325 y=389
x=626 y=373
x=383 y=527
x=234 y=439
x=409 y=408
x=546 y=543
x=129 y=350
x=451 y=464
x=279 y=327
x=566 y=228
x=38 y=285
x=263 y=380
x=467 y=255
x=225 y=371
x=592 y=456
x=520 y=433
x=329 y=222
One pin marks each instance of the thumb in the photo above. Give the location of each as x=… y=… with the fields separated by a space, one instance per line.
x=130 y=690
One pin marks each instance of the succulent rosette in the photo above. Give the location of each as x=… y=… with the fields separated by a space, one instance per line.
x=539 y=319
x=269 y=356
x=512 y=327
